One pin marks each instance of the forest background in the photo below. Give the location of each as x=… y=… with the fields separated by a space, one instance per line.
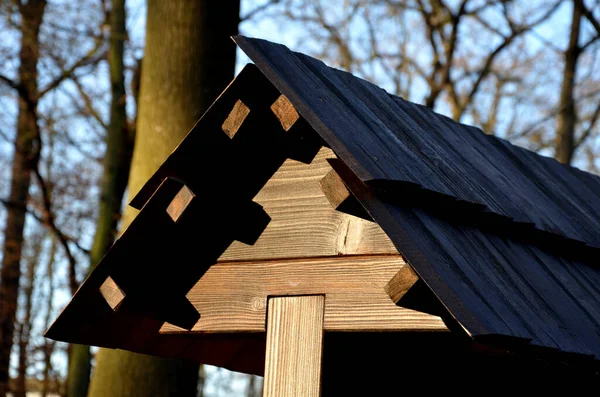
x=74 y=146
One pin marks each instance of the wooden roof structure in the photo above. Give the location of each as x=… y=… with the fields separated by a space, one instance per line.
x=502 y=243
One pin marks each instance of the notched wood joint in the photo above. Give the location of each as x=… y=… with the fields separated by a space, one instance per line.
x=402 y=281
x=340 y=198
x=285 y=112
x=408 y=290
x=180 y=202
x=236 y=117
x=112 y=294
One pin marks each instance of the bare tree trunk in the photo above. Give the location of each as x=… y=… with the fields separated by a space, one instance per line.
x=48 y=344
x=252 y=387
x=25 y=326
x=189 y=59
x=201 y=381
x=26 y=155
x=567 y=115
x=117 y=160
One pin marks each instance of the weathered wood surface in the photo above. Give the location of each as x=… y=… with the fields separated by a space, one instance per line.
x=294 y=346
x=232 y=297
x=236 y=117
x=285 y=112
x=340 y=198
x=398 y=146
x=507 y=239
x=492 y=285
x=303 y=222
x=180 y=202
x=112 y=293
x=402 y=281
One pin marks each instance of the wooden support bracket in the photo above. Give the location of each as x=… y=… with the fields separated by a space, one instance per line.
x=340 y=197
x=407 y=290
x=401 y=283
x=294 y=346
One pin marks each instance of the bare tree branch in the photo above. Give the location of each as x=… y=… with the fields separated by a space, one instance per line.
x=89 y=106
x=92 y=57
x=10 y=82
x=486 y=68
x=588 y=131
x=252 y=13
x=590 y=17
x=49 y=220
x=55 y=230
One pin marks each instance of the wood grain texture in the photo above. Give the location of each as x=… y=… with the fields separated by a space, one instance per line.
x=234 y=121
x=303 y=223
x=232 y=297
x=491 y=285
x=285 y=112
x=399 y=285
x=389 y=142
x=294 y=346
x=180 y=203
x=340 y=198
x=112 y=293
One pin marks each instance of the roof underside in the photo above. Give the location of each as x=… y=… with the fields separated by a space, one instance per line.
x=507 y=239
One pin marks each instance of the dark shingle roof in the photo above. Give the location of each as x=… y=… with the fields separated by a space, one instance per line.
x=507 y=239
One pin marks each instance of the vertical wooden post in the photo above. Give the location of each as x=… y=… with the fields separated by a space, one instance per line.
x=294 y=346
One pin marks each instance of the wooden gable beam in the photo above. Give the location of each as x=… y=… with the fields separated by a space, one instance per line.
x=238 y=144
x=248 y=131
x=233 y=296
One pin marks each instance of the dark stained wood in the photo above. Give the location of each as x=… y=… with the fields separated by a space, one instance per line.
x=402 y=147
x=442 y=364
x=155 y=248
x=507 y=239
x=207 y=146
x=340 y=198
x=421 y=299
x=490 y=285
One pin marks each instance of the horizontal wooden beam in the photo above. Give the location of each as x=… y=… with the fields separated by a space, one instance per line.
x=232 y=297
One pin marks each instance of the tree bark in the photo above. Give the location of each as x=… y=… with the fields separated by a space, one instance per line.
x=26 y=155
x=189 y=59
x=117 y=160
x=253 y=386
x=35 y=242
x=567 y=114
x=48 y=344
